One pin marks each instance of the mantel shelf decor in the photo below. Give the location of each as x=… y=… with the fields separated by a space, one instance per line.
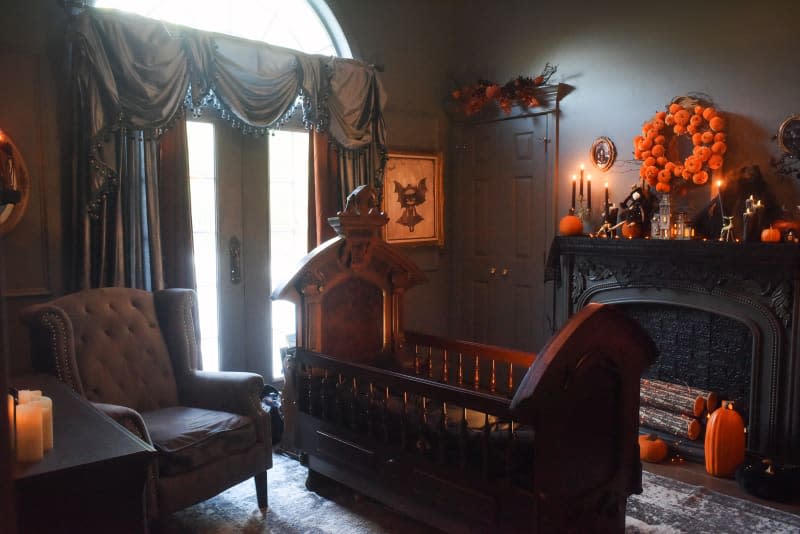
x=522 y=91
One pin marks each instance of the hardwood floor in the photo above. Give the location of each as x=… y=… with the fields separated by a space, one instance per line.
x=695 y=473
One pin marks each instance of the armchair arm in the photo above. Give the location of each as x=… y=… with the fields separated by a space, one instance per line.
x=127 y=417
x=228 y=391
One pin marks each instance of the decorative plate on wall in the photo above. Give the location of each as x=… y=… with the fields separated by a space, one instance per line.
x=603 y=153
x=789 y=135
x=15 y=185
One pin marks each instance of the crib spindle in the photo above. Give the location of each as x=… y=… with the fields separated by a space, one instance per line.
x=460 y=369
x=310 y=371
x=510 y=449
x=463 y=437
x=354 y=403
x=404 y=423
x=510 y=379
x=340 y=384
x=430 y=363
x=324 y=397
x=445 y=368
x=477 y=373
x=370 y=411
x=493 y=378
x=385 y=414
x=485 y=435
x=441 y=435
x=417 y=360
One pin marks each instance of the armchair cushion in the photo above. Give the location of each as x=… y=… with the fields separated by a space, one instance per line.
x=188 y=438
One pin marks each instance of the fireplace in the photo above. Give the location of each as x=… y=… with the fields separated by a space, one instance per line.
x=723 y=315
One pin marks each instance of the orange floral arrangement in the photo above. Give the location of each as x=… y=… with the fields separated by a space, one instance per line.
x=520 y=91
x=657 y=146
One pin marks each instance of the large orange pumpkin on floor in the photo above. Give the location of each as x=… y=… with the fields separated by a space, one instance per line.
x=570 y=225
x=724 y=444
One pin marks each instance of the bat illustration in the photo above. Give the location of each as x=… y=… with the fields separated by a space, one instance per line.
x=409 y=197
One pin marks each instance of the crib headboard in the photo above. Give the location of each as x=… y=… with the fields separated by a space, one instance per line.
x=348 y=292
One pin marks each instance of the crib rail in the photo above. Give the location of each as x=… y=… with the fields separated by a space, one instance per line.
x=464 y=363
x=448 y=425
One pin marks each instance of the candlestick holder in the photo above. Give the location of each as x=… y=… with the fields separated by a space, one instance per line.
x=726 y=233
x=584 y=212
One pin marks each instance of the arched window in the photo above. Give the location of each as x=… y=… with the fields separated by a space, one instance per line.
x=308 y=26
x=305 y=25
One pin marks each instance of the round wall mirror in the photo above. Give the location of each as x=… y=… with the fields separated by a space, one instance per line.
x=15 y=184
x=603 y=153
x=789 y=135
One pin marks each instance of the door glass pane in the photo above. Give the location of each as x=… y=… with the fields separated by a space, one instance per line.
x=288 y=221
x=202 y=178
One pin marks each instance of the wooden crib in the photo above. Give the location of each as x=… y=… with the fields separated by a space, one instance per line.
x=462 y=436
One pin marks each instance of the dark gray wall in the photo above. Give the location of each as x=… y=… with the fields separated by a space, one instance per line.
x=626 y=60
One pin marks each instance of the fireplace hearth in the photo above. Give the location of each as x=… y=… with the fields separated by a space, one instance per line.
x=723 y=315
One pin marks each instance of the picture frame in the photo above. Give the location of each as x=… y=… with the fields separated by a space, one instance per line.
x=603 y=153
x=413 y=198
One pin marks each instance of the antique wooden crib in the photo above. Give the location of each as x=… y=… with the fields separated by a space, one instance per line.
x=463 y=436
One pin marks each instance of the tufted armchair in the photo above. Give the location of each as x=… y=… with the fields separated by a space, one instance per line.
x=134 y=355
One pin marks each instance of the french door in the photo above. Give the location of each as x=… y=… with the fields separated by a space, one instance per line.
x=238 y=234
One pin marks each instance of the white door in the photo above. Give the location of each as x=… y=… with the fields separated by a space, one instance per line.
x=235 y=223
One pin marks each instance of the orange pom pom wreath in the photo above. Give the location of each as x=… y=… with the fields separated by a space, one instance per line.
x=657 y=146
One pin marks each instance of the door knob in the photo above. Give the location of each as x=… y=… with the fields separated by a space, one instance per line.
x=505 y=272
x=492 y=270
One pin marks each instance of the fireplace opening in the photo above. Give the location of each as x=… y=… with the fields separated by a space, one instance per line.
x=700 y=349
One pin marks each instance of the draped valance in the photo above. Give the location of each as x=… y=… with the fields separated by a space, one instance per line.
x=137 y=73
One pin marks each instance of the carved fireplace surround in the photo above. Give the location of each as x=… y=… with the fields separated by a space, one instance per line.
x=724 y=316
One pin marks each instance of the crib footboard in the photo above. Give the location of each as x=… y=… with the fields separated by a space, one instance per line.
x=450 y=456
x=582 y=396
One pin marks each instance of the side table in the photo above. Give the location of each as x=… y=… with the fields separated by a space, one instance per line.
x=93 y=480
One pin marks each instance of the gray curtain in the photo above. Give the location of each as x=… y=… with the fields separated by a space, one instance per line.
x=133 y=77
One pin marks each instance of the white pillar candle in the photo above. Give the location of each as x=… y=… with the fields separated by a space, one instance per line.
x=47 y=421
x=11 y=422
x=30 y=445
x=28 y=395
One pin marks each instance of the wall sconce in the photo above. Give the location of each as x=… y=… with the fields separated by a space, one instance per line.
x=14 y=184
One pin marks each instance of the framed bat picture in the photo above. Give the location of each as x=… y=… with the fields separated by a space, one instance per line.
x=413 y=199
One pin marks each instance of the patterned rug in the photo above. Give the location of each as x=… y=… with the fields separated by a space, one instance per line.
x=667 y=506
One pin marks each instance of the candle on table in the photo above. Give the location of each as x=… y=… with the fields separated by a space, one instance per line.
x=581 y=189
x=29 y=395
x=574 y=179
x=47 y=421
x=11 y=423
x=719 y=194
x=605 y=202
x=30 y=444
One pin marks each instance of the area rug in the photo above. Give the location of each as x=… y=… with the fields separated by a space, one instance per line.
x=667 y=506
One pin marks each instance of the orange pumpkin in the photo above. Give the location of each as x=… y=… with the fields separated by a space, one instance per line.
x=652 y=448
x=724 y=443
x=570 y=225
x=771 y=235
x=631 y=230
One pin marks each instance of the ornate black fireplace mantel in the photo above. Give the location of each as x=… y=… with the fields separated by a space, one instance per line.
x=738 y=287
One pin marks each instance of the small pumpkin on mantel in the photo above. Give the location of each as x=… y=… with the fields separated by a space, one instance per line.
x=725 y=440
x=771 y=235
x=652 y=448
x=570 y=225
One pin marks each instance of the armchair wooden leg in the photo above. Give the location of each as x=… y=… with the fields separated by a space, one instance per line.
x=261 y=491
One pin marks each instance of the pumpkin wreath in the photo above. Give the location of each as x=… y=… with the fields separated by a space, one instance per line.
x=659 y=145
